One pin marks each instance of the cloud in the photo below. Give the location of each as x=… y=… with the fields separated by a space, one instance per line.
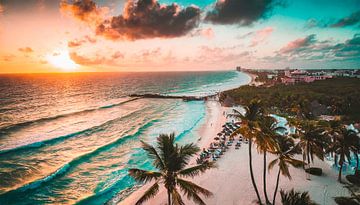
x=26 y=50
x=2 y=9
x=117 y=55
x=311 y=49
x=207 y=33
x=241 y=12
x=74 y=43
x=79 y=42
x=298 y=44
x=84 y=10
x=220 y=55
x=351 y=20
x=261 y=36
x=82 y=60
x=144 y=19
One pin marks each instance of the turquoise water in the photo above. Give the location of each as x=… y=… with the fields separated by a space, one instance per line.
x=72 y=138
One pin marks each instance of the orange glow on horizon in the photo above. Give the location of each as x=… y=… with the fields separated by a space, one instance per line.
x=62 y=60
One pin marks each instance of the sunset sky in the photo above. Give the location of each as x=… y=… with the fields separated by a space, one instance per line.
x=169 y=35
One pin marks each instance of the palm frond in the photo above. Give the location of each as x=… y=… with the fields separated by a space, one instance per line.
x=143 y=175
x=294 y=162
x=272 y=163
x=153 y=154
x=151 y=192
x=192 y=190
x=196 y=170
x=176 y=197
x=167 y=149
x=284 y=169
x=187 y=151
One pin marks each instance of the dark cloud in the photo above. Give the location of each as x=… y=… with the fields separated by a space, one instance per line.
x=26 y=50
x=144 y=19
x=309 y=48
x=242 y=12
x=351 y=20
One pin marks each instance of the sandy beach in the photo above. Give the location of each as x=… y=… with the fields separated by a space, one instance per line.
x=230 y=181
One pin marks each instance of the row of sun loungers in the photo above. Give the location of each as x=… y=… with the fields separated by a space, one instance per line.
x=222 y=142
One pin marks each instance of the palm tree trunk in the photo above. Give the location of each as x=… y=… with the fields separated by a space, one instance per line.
x=277 y=185
x=308 y=154
x=251 y=172
x=169 y=198
x=336 y=159
x=341 y=166
x=264 y=178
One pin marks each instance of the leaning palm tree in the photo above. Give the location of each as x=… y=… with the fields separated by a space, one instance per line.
x=285 y=152
x=296 y=198
x=171 y=159
x=265 y=142
x=250 y=129
x=344 y=142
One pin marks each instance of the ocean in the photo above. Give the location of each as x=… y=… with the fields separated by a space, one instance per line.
x=71 y=138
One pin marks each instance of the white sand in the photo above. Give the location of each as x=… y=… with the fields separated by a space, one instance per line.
x=231 y=183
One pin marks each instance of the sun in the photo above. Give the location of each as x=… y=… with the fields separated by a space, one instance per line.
x=62 y=60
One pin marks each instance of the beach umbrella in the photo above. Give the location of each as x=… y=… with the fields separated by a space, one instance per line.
x=219 y=134
x=216 y=138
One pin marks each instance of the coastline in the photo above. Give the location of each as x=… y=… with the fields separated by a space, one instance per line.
x=230 y=181
x=253 y=77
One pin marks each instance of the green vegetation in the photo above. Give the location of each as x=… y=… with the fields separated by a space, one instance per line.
x=296 y=198
x=314 y=137
x=171 y=159
x=338 y=96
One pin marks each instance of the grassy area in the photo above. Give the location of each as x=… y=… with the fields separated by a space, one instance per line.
x=340 y=96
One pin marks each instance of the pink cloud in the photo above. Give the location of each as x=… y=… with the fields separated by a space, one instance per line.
x=261 y=36
x=298 y=43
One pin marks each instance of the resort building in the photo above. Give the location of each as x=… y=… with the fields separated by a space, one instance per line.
x=298 y=76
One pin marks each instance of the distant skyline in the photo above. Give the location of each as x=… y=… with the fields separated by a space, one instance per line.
x=182 y=35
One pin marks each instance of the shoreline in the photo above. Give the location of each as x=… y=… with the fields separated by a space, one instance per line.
x=207 y=131
x=230 y=181
x=129 y=196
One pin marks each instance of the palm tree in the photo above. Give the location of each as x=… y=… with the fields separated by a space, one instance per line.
x=312 y=140
x=171 y=159
x=285 y=151
x=265 y=142
x=250 y=129
x=344 y=142
x=296 y=198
